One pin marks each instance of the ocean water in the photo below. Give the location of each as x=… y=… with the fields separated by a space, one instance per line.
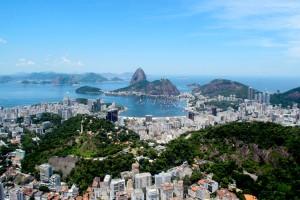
x=14 y=94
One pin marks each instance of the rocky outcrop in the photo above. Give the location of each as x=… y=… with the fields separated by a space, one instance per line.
x=223 y=87
x=65 y=164
x=161 y=87
x=139 y=83
x=138 y=76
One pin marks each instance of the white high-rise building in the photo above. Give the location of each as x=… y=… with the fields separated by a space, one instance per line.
x=162 y=178
x=116 y=185
x=268 y=98
x=250 y=93
x=137 y=194
x=16 y=194
x=260 y=100
x=107 y=180
x=45 y=172
x=152 y=194
x=264 y=97
x=212 y=186
x=55 y=180
x=142 y=180
x=166 y=191
x=178 y=188
x=2 y=196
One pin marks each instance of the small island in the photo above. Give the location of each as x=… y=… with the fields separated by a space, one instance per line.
x=88 y=90
x=116 y=79
x=26 y=82
x=193 y=86
x=45 y=82
x=29 y=82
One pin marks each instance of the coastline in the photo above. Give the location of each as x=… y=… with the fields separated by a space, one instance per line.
x=123 y=110
x=154 y=118
x=140 y=94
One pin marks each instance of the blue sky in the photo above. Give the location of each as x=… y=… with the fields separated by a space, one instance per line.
x=166 y=37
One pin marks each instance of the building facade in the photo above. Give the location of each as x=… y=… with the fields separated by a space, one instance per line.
x=45 y=172
x=116 y=185
x=142 y=180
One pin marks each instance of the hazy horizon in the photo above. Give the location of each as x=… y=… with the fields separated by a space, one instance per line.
x=167 y=37
x=156 y=75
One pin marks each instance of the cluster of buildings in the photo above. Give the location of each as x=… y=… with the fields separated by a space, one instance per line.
x=132 y=184
x=163 y=186
x=165 y=129
x=55 y=189
x=12 y=129
x=201 y=114
x=263 y=97
x=256 y=108
x=161 y=129
x=65 y=109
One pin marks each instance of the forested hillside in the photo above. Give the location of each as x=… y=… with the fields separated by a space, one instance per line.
x=270 y=151
x=82 y=136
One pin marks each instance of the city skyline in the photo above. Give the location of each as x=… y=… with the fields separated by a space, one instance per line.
x=209 y=37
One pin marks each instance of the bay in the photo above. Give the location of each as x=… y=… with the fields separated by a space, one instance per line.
x=14 y=94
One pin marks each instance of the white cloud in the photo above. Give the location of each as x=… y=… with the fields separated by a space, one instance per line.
x=233 y=9
x=2 y=41
x=261 y=42
x=294 y=52
x=24 y=62
x=248 y=14
x=271 y=21
x=63 y=61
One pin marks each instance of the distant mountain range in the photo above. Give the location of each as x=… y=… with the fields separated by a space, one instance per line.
x=5 y=79
x=223 y=87
x=139 y=83
x=61 y=78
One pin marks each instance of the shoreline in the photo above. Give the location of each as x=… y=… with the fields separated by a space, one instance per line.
x=177 y=116
x=123 y=110
x=182 y=96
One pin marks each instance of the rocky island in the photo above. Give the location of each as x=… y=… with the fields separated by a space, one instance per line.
x=88 y=90
x=140 y=85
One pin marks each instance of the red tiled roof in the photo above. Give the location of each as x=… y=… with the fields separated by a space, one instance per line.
x=250 y=197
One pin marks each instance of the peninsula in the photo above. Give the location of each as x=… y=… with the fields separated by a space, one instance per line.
x=140 y=84
x=222 y=87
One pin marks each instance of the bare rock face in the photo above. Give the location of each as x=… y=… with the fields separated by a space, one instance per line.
x=138 y=76
x=65 y=164
x=139 y=83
